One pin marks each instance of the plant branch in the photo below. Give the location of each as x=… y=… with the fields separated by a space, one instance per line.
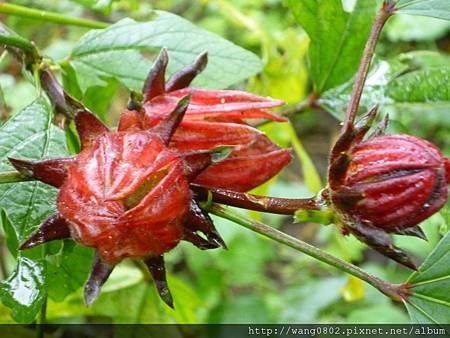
x=383 y=15
x=16 y=41
x=41 y=15
x=394 y=291
x=274 y=205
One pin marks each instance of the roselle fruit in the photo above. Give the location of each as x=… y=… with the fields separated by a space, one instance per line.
x=386 y=184
x=127 y=192
x=396 y=181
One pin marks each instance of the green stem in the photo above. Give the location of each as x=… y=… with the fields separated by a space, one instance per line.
x=391 y=290
x=37 y=14
x=16 y=41
x=12 y=177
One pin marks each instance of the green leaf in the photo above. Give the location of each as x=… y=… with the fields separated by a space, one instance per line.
x=9 y=232
x=412 y=81
x=29 y=134
x=68 y=271
x=337 y=37
x=116 y=52
x=336 y=100
x=98 y=99
x=422 y=86
x=429 y=299
x=24 y=290
x=434 y=8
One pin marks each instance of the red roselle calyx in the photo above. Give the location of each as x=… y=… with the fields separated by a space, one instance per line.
x=386 y=184
x=127 y=192
x=393 y=181
x=214 y=118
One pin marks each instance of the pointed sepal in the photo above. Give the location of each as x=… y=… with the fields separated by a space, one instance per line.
x=186 y=75
x=155 y=265
x=365 y=124
x=414 y=231
x=381 y=128
x=165 y=129
x=51 y=171
x=53 y=228
x=380 y=241
x=155 y=83
x=89 y=127
x=99 y=274
x=199 y=221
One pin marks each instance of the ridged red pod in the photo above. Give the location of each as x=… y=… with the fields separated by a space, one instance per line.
x=127 y=196
x=393 y=181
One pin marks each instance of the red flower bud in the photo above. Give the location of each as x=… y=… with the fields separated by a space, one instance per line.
x=393 y=182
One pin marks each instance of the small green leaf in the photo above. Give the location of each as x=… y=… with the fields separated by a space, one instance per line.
x=429 y=299
x=434 y=8
x=115 y=52
x=24 y=291
x=337 y=37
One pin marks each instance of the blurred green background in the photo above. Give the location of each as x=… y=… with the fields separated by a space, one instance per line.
x=256 y=280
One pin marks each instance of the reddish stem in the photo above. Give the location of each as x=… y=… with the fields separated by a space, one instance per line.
x=383 y=15
x=274 y=205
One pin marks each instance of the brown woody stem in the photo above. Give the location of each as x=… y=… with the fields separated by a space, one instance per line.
x=274 y=205
x=394 y=291
x=383 y=15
